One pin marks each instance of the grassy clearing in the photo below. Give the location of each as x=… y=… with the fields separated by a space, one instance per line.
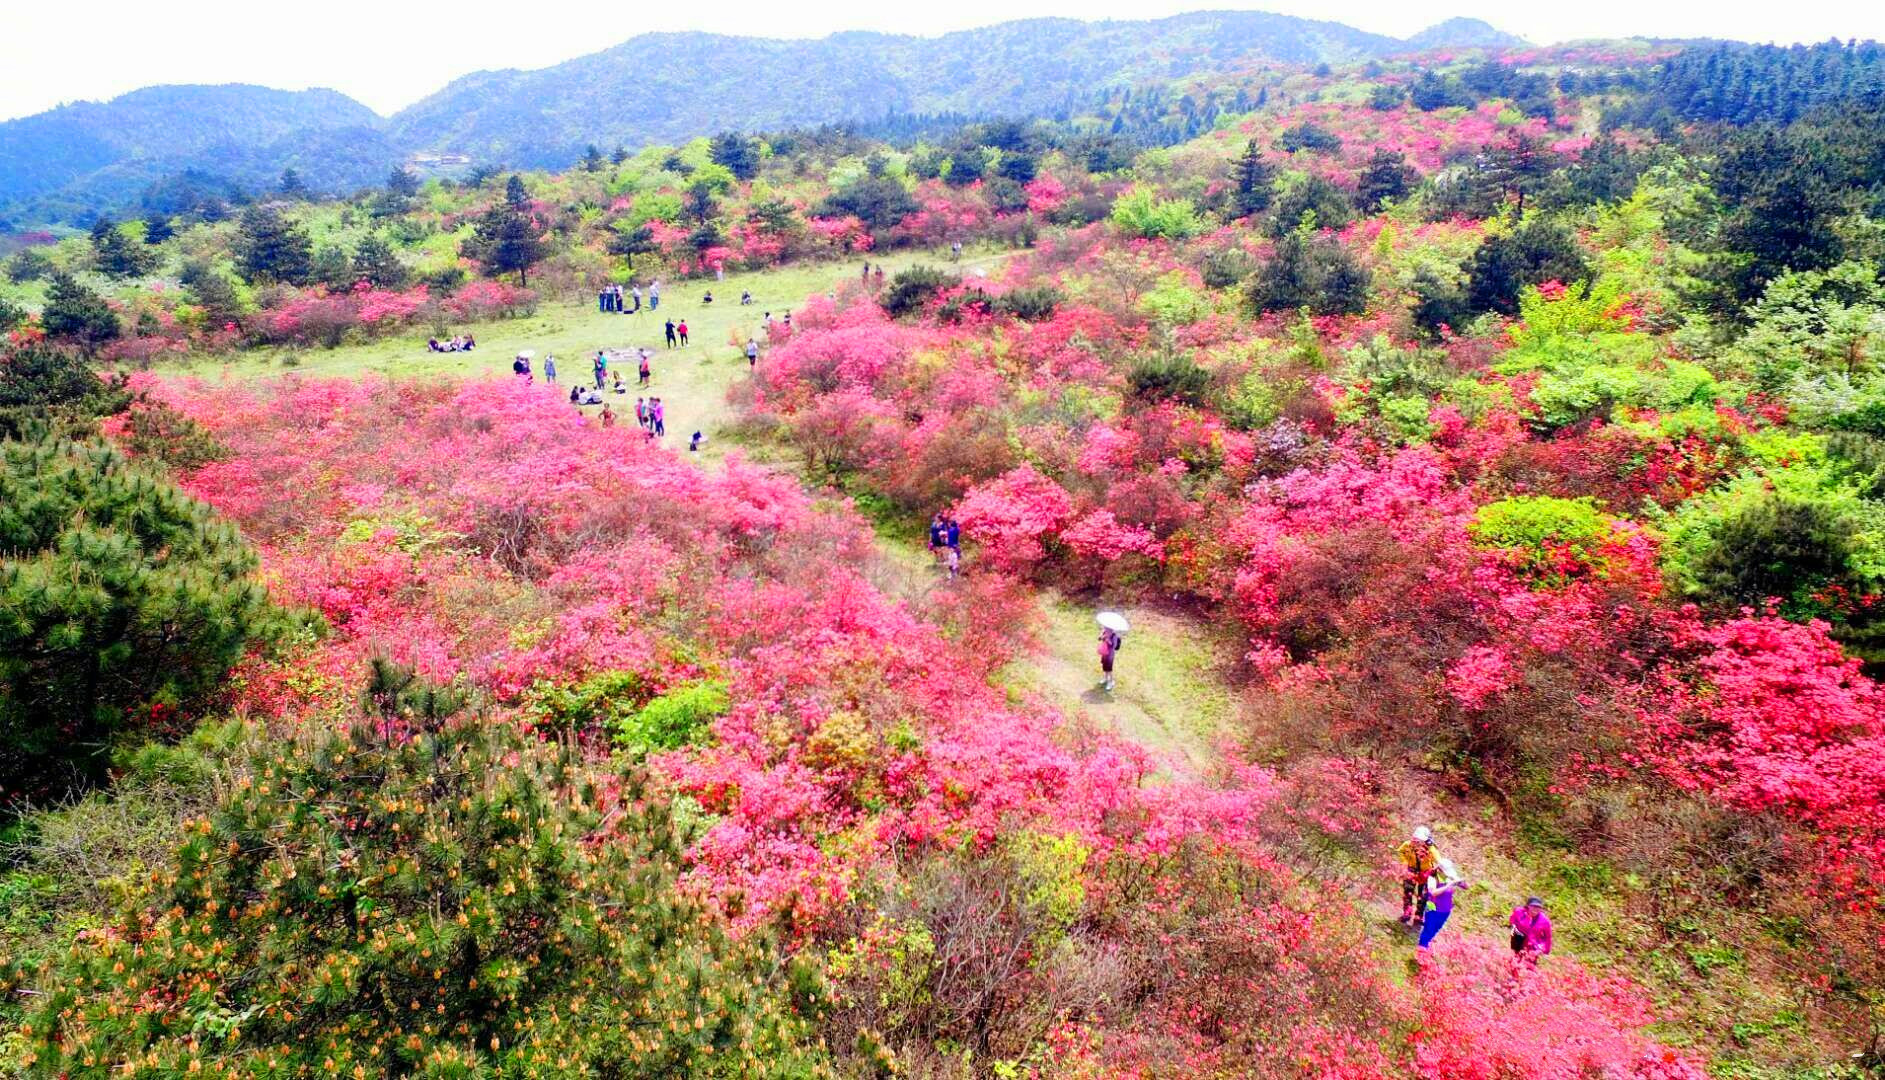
x=1169 y=694
x=691 y=382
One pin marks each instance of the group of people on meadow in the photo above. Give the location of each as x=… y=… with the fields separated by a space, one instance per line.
x=611 y=298
x=1429 y=882
x=460 y=343
x=650 y=415
x=650 y=412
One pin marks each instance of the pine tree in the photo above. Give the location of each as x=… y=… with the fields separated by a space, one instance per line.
x=157 y=229
x=331 y=267
x=699 y=202
x=122 y=594
x=375 y=261
x=592 y=158
x=507 y=242
x=1535 y=252
x=515 y=196
x=271 y=248
x=291 y=186
x=212 y=292
x=445 y=896
x=1519 y=165
x=1253 y=182
x=45 y=389
x=629 y=241
x=115 y=255
x=1386 y=176
x=77 y=314
x=739 y=154
x=402 y=183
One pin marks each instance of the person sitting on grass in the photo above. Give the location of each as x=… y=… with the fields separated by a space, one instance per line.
x=575 y=395
x=469 y=343
x=707 y=299
x=693 y=444
x=746 y=298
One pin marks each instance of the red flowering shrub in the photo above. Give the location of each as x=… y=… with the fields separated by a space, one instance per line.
x=1485 y=1017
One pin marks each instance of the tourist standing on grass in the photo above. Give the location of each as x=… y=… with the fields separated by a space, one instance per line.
x=641 y=413
x=549 y=370
x=661 y=418
x=602 y=369
x=681 y=328
x=752 y=352
x=634 y=299
x=646 y=371
x=1531 y=930
x=1441 y=885
x=1109 y=650
x=671 y=338
x=654 y=295
x=608 y=416
x=937 y=531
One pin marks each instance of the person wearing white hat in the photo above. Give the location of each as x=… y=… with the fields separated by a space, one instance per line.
x=1418 y=860
x=1441 y=885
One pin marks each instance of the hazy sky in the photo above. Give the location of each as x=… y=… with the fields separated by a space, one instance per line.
x=390 y=53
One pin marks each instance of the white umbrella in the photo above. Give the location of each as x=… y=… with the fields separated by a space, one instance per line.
x=527 y=354
x=1114 y=621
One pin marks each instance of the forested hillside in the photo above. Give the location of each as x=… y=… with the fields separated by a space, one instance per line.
x=1477 y=466
x=661 y=87
x=106 y=154
x=75 y=161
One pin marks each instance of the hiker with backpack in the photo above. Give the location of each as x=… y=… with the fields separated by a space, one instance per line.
x=1418 y=862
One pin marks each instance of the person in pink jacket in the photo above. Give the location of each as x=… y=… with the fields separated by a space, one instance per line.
x=1531 y=930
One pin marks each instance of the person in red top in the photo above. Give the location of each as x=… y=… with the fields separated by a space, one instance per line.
x=681 y=329
x=1531 y=930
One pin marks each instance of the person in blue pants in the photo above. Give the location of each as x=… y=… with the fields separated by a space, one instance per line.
x=1441 y=885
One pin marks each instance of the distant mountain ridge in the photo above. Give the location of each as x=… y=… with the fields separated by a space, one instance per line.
x=77 y=159
x=1464 y=34
x=670 y=86
x=161 y=126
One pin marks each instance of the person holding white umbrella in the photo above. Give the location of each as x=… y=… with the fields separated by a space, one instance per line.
x=1113 y=628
